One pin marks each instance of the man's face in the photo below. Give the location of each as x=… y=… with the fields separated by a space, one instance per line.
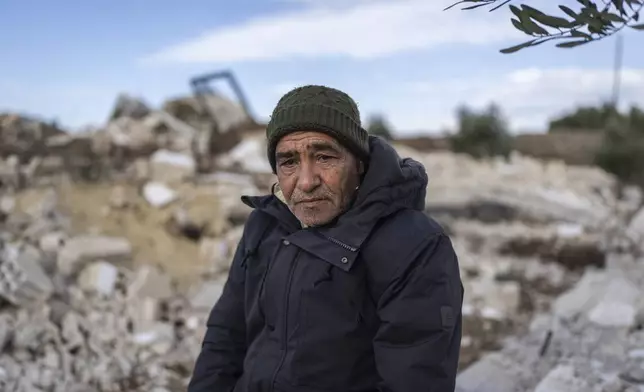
x=317 y=175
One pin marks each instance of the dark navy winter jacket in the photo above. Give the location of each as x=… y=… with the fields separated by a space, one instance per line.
x=369 y=303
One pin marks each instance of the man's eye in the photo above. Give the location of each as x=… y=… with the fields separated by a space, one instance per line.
x=324 y=158
x=288 y=162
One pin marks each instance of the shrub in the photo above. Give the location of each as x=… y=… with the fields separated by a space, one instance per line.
x=482 y=134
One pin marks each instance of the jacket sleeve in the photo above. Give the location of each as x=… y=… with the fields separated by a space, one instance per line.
x=220 y=362
x=418 y=341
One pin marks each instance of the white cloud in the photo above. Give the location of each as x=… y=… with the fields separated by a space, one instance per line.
x=529 y=97
x=363 y=30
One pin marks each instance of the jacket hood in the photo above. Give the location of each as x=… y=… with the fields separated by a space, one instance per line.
x=390 y=181
x=389 y=185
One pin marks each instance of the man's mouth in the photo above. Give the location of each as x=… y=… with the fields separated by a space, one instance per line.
x=310 y=201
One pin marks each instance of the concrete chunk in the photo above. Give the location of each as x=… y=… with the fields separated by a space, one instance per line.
x=158 y=194
x=7 y=204
x=86 y=248
x=562 y=379
x=99 y=277
x=144 y=312
x=159 y=337
x=609 y=299
x=170 y=167
x=491 y=374
x=52 y=242
x=207 y=294
x=22 y=278
x=582 y=297
x=618 y=306
x=151 y=282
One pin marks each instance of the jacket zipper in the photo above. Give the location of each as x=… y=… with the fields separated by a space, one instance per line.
x=260 y=297
x=244 y=261
x=285 y=321
x=262 y=285
x=339 y=243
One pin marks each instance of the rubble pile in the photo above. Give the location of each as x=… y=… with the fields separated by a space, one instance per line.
x=78 y=315
x=592 y=339
x=570 y=281
x=178 y=125
x=196 y=130
x=520 y=188
x=107 y=283
x=23 y=136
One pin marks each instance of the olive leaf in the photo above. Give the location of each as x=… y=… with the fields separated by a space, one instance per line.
x=516 y=48
x=572 y=44
x=588 y=21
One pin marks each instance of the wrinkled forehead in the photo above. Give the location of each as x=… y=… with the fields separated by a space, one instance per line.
x=307 y=142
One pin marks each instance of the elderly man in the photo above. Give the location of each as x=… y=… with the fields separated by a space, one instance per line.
x=340 y=281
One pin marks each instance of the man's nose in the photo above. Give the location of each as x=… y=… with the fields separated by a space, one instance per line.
x=308 y=178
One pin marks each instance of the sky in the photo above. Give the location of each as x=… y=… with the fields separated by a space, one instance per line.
x=407 y=59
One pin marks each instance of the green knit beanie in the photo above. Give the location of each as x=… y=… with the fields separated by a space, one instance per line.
x=322 y=109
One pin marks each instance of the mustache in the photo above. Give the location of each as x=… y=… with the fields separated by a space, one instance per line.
x=320 y=194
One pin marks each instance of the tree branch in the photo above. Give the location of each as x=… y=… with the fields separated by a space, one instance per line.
x=590 y=23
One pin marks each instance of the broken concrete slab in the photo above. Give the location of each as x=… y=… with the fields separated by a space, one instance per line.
x=608 y=298
x=22 y=278
x=150 y=282
x=582 y=297
x=247 y=156
x=83 y=249
x=197 y=112
x=128 y=134
x=172 y=167
x=563 y=379
x=618 y=305
x=207 y=294
x=493 y=373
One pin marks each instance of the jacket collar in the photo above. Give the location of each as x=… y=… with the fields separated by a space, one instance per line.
x=334 y=243
x=389 y=185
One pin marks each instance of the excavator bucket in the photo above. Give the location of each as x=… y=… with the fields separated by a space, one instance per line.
x=201 y=87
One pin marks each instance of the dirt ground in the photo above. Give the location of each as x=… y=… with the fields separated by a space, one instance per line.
x=90 y=208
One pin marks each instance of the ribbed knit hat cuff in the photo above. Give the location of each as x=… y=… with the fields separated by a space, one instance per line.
x=321 y=118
